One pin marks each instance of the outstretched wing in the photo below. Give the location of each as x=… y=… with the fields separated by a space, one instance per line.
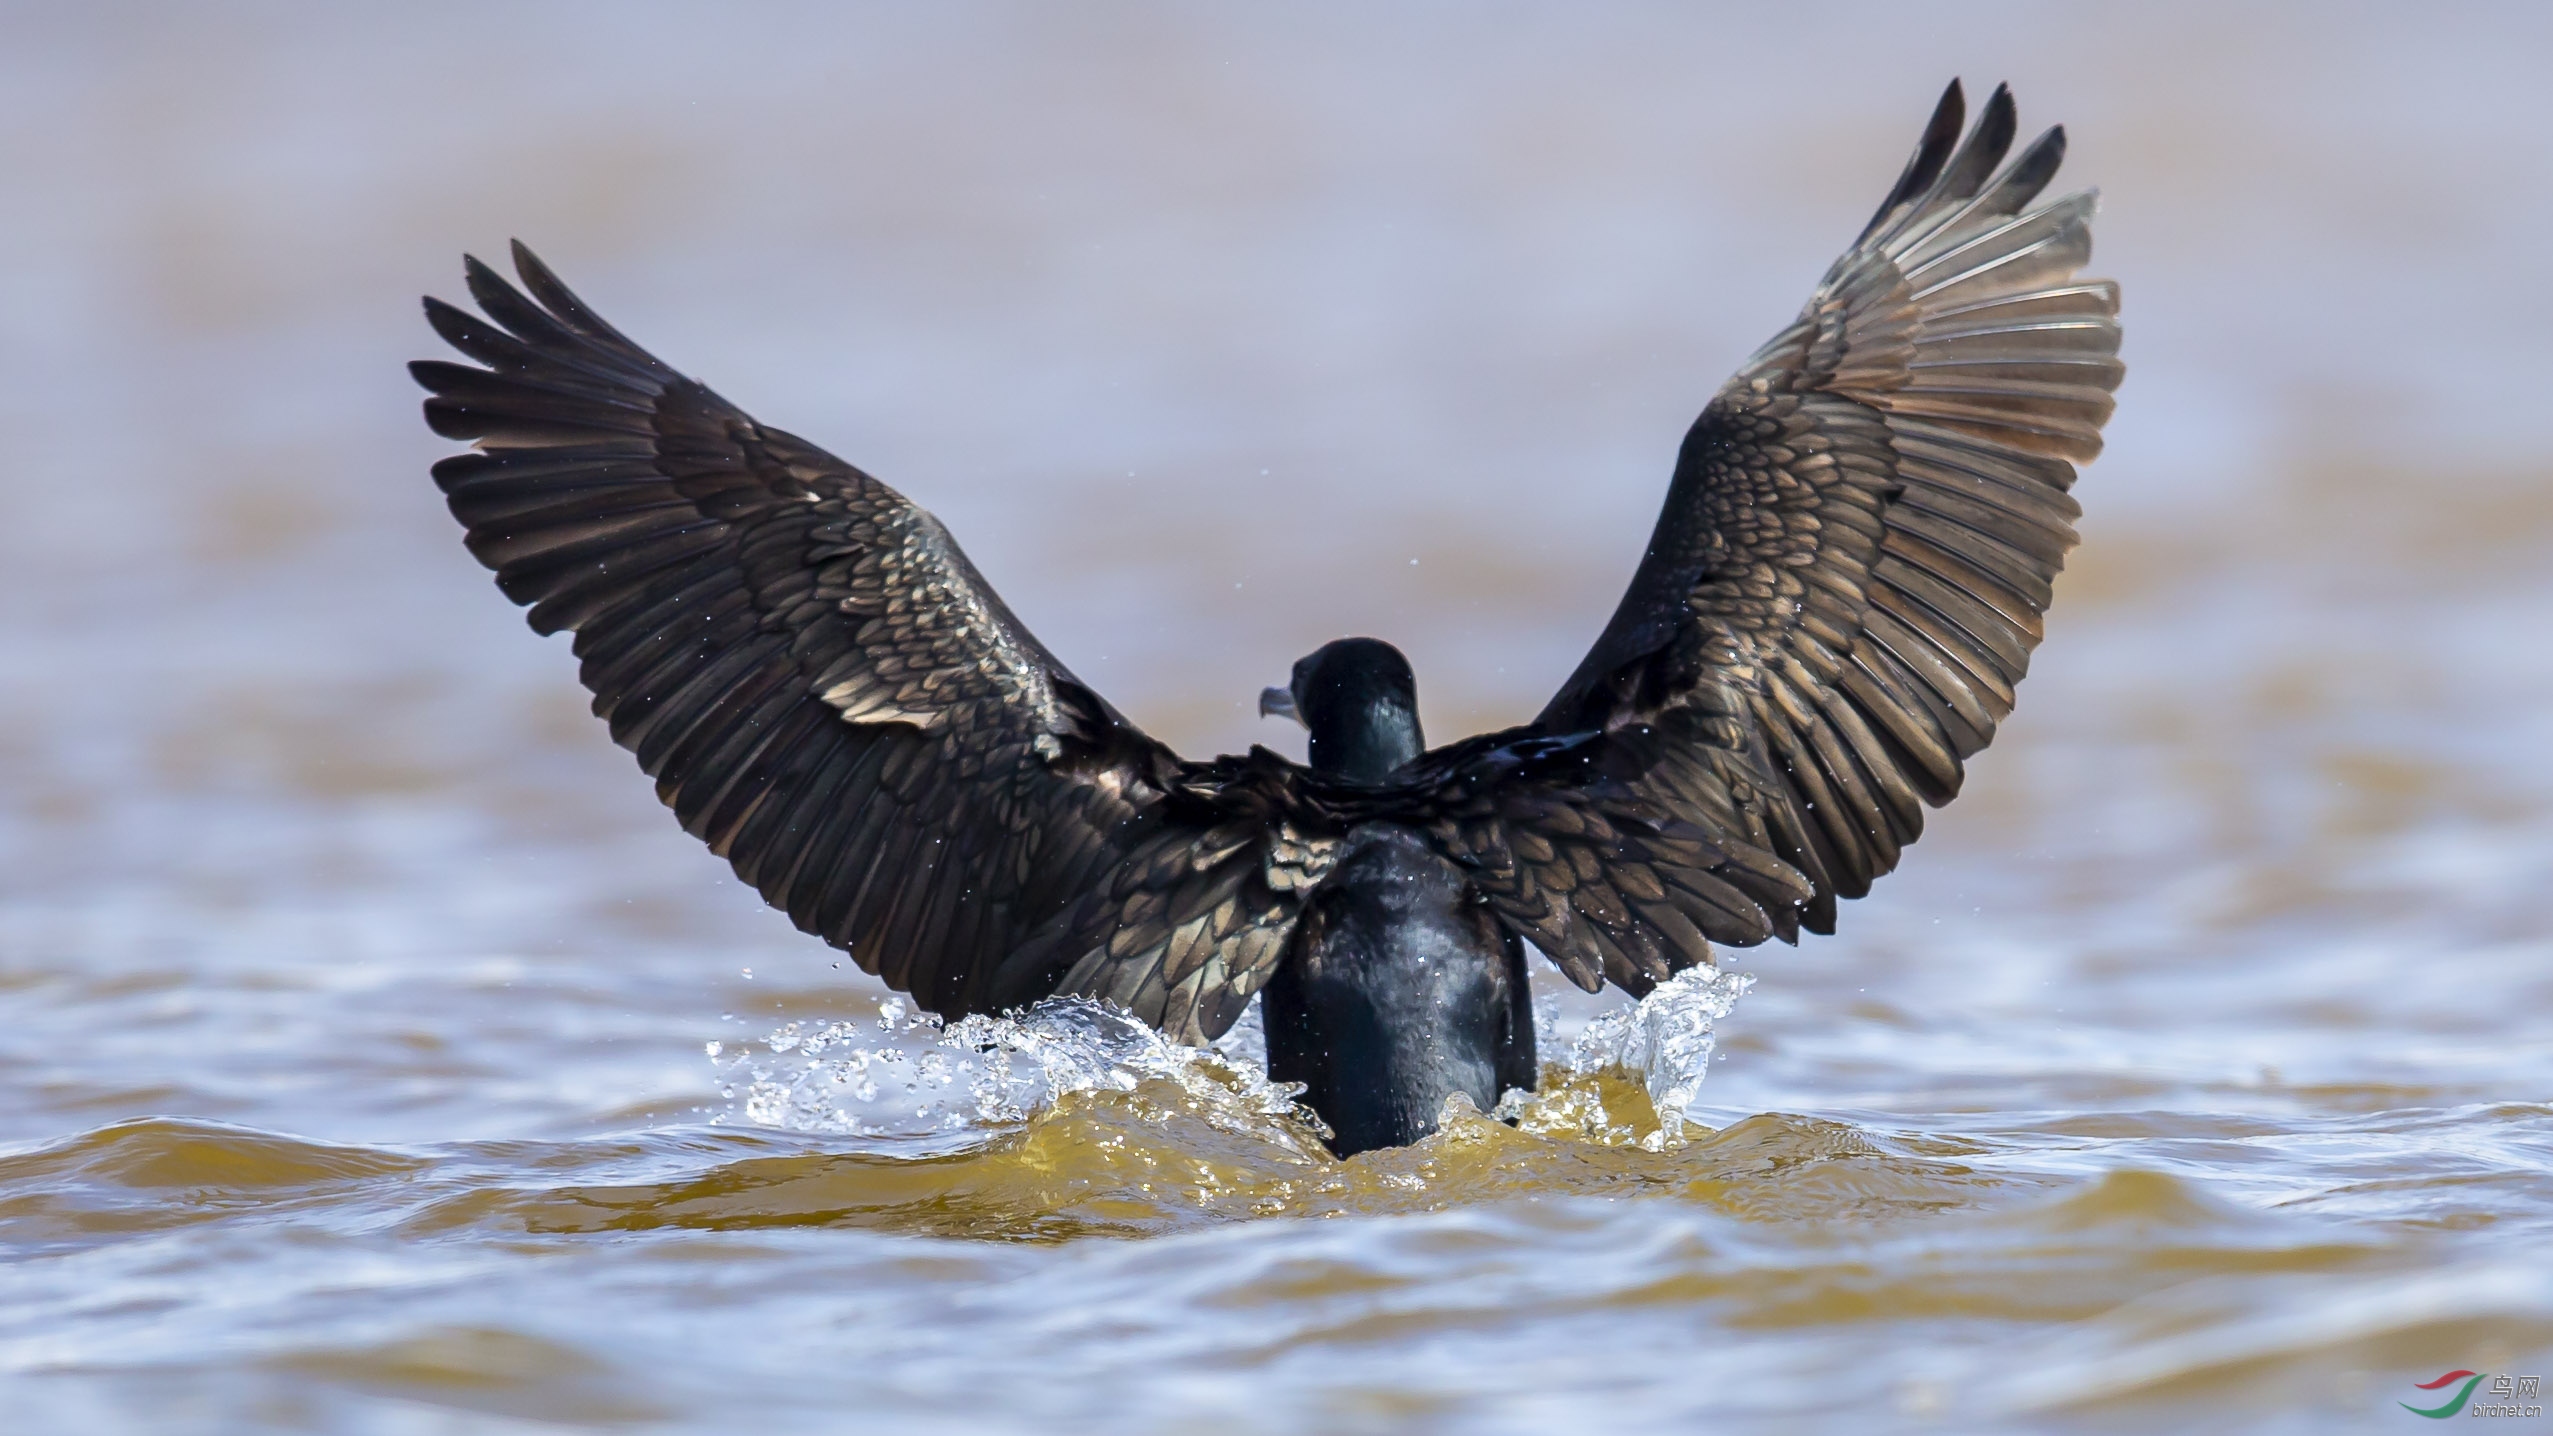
x=1858 y=544
x=823 y=687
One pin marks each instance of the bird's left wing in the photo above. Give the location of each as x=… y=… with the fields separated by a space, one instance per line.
x=1857 y=548
x=828 y=693
x=1842 y=590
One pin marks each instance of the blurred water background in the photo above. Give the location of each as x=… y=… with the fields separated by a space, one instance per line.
x=2193 y=1073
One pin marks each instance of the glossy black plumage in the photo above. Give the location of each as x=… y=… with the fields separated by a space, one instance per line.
x=1400 y=991
x=1843 y=589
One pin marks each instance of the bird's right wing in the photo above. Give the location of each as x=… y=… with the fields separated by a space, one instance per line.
x=1848 y=576
x=825 y=689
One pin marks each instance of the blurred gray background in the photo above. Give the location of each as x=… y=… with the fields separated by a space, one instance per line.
x=1215 y=332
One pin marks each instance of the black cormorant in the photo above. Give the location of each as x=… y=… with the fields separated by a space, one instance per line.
x=1838 y=599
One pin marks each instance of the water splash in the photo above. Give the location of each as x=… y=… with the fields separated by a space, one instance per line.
x=910 y=1074
x=1665 y=1040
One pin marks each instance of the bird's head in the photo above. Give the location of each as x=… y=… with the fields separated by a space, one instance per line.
x=1360 y=701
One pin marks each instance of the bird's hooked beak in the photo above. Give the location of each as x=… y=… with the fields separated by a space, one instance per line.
x=1278 y=702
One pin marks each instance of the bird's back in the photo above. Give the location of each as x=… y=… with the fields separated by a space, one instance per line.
x=1400 y=991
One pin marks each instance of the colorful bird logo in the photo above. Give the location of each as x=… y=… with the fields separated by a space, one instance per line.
x=2454 y=1404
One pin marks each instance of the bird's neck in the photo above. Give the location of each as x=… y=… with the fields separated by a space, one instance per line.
x=1367 y=741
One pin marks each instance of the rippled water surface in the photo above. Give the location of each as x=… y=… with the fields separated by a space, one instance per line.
x=379 y=1058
